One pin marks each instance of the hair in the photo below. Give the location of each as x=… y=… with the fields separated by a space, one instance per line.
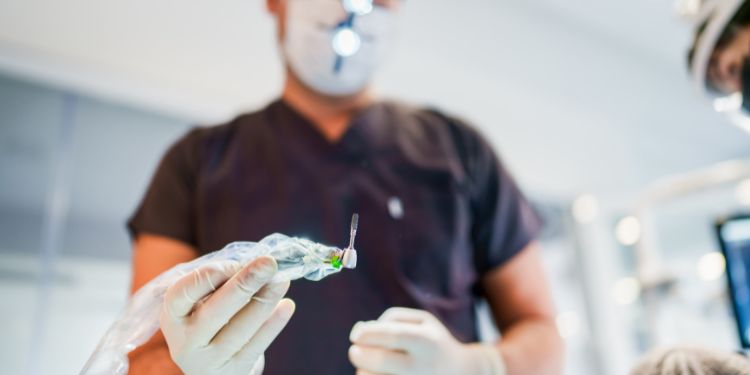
x=691 y=361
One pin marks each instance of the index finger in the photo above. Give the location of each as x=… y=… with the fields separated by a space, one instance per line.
x=406 y=315
x=390 y=335
x=182 y=296
x=231 y=297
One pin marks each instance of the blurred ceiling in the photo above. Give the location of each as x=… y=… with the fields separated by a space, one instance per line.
x=578 y=96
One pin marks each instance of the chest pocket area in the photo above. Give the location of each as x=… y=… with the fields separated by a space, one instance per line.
x=433 y=237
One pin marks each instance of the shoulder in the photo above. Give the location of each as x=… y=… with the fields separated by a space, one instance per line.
x=207 y=135
x=426 y=119
x=432 y=127
x=207 y=143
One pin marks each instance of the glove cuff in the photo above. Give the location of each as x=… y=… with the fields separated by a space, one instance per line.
x=488 y=359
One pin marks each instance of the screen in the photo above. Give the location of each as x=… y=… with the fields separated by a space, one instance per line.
x=734 y=235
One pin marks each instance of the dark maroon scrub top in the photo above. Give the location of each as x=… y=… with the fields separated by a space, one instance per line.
x=437 y=212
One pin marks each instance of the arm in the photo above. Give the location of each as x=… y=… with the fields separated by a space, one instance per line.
x=414 y=342
x=152 y=255
x=520 y=300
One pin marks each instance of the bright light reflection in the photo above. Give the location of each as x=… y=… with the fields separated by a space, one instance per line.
x=742 y=192
x=358 y=7
x=346 y=42
x=585 y=208
x=728 y=103
x=568 y=324
x=628 y=231
x=711 y=266
x=626 y=291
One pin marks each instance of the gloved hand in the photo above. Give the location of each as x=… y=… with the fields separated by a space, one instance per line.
x=221 y=317
x=413 y=342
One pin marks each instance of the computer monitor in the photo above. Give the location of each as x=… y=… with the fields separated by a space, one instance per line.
x=734 y=238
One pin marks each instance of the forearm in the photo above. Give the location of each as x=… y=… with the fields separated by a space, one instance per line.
x=532 y=346
x=152 y=255
x=152 y=358
x=522 y=306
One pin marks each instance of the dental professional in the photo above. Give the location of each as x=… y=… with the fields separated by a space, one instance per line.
x=442 y=223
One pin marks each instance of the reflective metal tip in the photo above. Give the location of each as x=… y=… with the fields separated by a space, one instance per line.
x=355 y=221
x=353 y=230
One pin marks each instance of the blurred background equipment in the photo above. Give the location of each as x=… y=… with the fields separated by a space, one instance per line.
x=734 y=235
x=674 y=289
x=589 y=107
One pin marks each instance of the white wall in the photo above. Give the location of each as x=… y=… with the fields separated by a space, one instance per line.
x=115 y=150
x=579 y=96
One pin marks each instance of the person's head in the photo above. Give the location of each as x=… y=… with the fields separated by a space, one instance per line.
x=691 y=361
x=728 y=60
x=730 y=54
x=332 y=47
x=719 y=59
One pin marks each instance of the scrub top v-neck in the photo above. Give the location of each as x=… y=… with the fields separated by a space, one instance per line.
x=437 y=212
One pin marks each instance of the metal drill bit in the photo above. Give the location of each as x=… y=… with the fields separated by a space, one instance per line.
x=353 y=230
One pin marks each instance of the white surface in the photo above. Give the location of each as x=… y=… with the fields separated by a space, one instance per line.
x=115 y=151
x=180 y=53
x=85 y=300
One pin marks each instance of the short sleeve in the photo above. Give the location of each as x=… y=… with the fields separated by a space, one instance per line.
x=503 y=220
x=167 y=208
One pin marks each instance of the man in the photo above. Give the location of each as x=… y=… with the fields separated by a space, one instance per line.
x=441 y=223
x=719 y=58
x=729 y=50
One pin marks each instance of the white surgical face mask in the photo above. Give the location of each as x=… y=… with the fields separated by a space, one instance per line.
x=329 y=54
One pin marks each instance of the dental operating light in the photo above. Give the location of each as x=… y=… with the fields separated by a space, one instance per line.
x=358 y=7
x=346 y=41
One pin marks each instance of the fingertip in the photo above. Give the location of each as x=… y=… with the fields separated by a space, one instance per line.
x=358 y=357
x=286 y=308
x=355 y=332
x=360 y=331
x=355 y=352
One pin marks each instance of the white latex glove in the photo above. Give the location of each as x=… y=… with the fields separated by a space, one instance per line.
x=225 y=330
x=413 y=342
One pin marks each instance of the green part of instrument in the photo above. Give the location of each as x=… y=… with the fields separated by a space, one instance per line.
x=336 y=262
